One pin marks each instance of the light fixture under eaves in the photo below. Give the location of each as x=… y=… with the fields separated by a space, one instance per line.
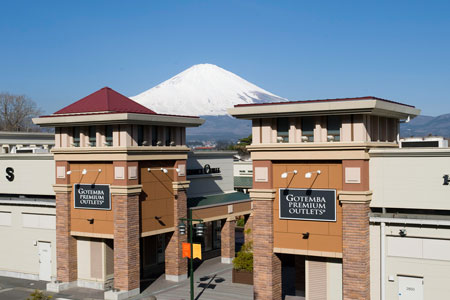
x=164 y=170
x=309 y=174
x=83 y=172
x=285 y=174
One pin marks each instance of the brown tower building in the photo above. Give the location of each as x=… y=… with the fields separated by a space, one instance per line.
x=311 y=193
x=120 y=180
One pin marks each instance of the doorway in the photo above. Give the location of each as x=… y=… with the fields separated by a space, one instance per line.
x=45 y=260
x=410 y=288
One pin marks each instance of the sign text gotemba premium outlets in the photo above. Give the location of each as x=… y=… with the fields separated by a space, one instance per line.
x=92 y=196
x=308 y=204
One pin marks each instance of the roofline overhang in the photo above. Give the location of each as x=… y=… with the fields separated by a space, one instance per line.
x=349 y=107
x=117 y=118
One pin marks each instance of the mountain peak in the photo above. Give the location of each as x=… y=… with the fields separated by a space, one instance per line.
x=203 y=89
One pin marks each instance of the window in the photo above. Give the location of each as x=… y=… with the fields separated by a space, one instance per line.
x=76 y=136
x=308 y=125
x=334 y=128
x=92 y=136
x=154 y=135
x=283 y=130
x=108 y=135
x=140 y=135
x=168 y=135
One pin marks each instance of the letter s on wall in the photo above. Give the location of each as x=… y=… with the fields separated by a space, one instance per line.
x=446 y=179
x=9 y=174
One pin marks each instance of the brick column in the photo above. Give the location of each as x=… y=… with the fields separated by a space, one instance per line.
x=175 y=264
x=126 y=239
x=227 y=237
x=266 y=264
x=355 y=244
x=66 y=245
x=248 y=228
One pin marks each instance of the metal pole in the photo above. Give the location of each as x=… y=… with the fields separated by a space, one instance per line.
x=191 y=272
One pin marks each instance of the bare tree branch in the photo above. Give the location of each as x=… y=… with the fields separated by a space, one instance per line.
x=16 y=112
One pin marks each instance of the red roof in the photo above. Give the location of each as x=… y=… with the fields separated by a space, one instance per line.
x=324 y=100
x=105 y=100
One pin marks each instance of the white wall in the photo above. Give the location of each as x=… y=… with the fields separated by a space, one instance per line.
x=210 y=184
x=424 y=252
x=19 y=249
x=243 y=168
x=33 y=174
x=399 y=179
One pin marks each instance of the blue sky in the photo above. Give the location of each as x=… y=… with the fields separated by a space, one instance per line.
x=57 y=52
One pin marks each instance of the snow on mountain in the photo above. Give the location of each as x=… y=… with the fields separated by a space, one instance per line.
x=203 y=90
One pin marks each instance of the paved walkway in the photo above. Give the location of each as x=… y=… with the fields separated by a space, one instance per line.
x=20 y=289
x=212 y=282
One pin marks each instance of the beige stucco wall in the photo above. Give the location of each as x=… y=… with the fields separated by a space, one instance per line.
x=34 y=174
x=375 y=266
x=19 y=249
x=407 y=181
x=402 y=259
x=334 y=280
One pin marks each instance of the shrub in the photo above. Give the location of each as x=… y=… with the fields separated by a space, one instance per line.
x=39 y=295
x=244 y=258
x=240 y=222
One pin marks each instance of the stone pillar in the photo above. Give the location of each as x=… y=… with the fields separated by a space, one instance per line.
x=227 y=237
x=266 y=264
x=66 y=245
x=248 y=228
x=176 y=265
x=355 y=244
x=126 y=242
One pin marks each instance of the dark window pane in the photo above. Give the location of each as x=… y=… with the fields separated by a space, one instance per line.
x=334 y=128
x=76 y=136
x=109 y=135
x=168 y=136
x=283 y=130
x=92 y=136
x=154 y=135
x=140 y=134
x=308 y=125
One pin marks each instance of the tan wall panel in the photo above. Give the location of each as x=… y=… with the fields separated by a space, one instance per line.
x=103 y=219
x=256 y=131
x=157 y=195
x=324 y=236
x=210 y=212
x=238 y=207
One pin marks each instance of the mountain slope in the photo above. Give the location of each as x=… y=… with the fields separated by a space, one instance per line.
x=426 y=125
x=203 y=90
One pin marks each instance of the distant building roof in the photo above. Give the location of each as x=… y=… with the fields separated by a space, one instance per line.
x=243 y=182
x=324 y=100
x=105 y=100
x=107 y=106
x=219 y=199
x=323 y=107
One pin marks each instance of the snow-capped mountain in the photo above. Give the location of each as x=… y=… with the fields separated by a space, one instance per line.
x=203 y=90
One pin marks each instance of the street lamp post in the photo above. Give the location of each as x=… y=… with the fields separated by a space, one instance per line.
x=199 y=229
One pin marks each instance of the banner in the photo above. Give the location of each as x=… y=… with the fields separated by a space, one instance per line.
x=186 y=250
x=308 y=204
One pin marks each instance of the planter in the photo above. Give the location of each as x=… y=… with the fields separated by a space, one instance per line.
x=242 y=276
